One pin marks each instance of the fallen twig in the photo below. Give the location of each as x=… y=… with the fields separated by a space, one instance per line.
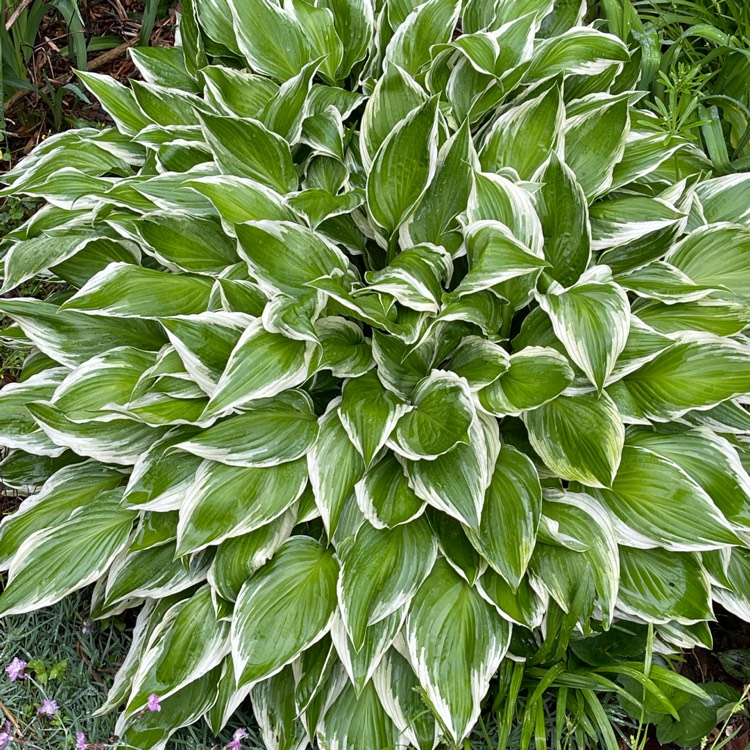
x=17 y=12
x=94 y=64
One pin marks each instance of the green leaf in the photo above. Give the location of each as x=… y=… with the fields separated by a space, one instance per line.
x=115 y=441
x=354 y=721
x=117 y=100
x=456 y=642
x=354 y=23
x=513 y=504
x=561 y=205
x=440 y=418
x=595 y=134
x=236 y=92
x=346 y=352
x=448 y=192
x=414 y=277
x=398 y=690
x=428 y=24
x=708 y=459
x=268 y=433
x=211 y=513
x=238 y=557
x=285 y=112
x=652 y=501
x=716 y=256
x=403 y=167
x=384 y=495
x=369 y=413
x=495 y=256
x=27 y=258
x=633 y=230
x=285 y=256
x=455 y=482
x=283 y=609
x=191 y=642
x=521 y=605
x=164 y=66
x=664 y=282
x=333 y=481
x=183 y=708
x=18 y=428
x=72 y=338
x=695 y=373
x=270 y=37
x=579 y=437
x=125 y=290
x=66 y=491
x=53 y=562
x=536 y=375
x=380 y=573
x=395 y=95
x=239 y=199
x=261 y=365
x=592 y=319
x=479 y=361
x=247 y=148
x=275 y=711
x=523 y=137
x=659 y=586
x=579 y=51
x=725 y=198
x=188 y=243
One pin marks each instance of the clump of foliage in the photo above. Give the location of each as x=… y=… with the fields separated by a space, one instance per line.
x=697 y=63
x=392 y=341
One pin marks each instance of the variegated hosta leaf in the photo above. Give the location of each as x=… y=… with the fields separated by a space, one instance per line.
x=592 y=320
x=578 y=437
x=439 y=419
x=57 y=560
x=190 y=642
x=226 y=501
x=653 y=502
x=456 y=641
x=374 y=329
x=283 y=609
x=380 y=573
x=510 y=517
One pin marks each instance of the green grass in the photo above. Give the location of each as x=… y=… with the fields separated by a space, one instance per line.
x=74 y=662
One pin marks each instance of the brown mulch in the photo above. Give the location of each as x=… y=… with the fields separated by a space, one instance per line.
x=28 y=118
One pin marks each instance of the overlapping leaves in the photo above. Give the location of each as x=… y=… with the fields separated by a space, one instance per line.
x=379 y=332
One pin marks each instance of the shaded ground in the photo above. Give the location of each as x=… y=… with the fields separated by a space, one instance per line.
x=29 y=117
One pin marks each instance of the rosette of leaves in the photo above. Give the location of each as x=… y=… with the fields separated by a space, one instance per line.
x=385 y=334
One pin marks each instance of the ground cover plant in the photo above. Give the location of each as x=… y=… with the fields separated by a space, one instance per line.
x=392 y=344
x=697 y=62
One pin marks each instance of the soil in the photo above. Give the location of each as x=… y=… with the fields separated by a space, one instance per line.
x=29 y=118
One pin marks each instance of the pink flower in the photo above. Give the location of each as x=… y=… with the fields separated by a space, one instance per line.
x=80 y=741
x=5 y=739
x=15 y=669
x=239 y=735
x=153 y=702
x=48 y=708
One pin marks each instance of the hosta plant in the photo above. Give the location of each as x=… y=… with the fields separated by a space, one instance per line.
x=387 y=337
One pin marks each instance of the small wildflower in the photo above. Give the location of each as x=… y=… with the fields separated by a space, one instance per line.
x=15 y=669
x=239 y=735
x=153 y=702
x=86 y=626
x=80 y=741
x=6 y=736
x=48 y=708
